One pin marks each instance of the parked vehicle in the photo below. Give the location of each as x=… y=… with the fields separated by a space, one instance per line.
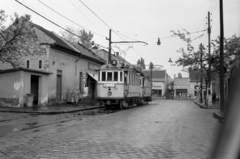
x=123 y=86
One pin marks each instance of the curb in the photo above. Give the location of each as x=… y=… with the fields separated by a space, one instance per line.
x=217 y=116
x=49 y=112
x=200 y=105
x=205 y=107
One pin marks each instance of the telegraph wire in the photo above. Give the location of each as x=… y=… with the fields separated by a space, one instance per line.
x=101 y=19
x=68 y=18
x=84 y=16
x=49 y=20
x=94 y=14
x=172 y=36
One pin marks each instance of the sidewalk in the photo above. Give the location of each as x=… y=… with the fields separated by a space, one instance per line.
x=53 y=109
x=219 y=115
x=202 y=105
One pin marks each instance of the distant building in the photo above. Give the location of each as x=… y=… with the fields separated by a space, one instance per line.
x=160 y=81
x=104 y=55
x=182 y=86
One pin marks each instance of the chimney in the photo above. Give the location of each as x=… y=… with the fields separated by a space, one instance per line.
x=117 y=53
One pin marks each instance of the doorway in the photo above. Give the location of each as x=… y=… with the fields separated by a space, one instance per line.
x=59 y=85
x=35 y=88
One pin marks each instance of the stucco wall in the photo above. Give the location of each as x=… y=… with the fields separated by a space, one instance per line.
x=10 y=88
x=14 y=87
x=156 y=85
x=71 y=69
x=43 y=88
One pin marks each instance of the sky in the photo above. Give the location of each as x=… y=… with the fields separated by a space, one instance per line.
x=136 y=20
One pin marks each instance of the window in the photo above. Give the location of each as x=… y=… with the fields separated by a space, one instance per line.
x=109 y=76
x=27 y=64
x=121 y=76
x=125 y=77
x=40 y=64
x=98 y=76
x=103 y=76
x=115 y=76
x=130 y=78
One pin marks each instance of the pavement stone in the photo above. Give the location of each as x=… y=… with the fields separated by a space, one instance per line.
x=170 y=129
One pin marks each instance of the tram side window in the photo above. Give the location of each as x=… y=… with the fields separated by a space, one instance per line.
x=103 y=76
x=121 y=76
x=125 y=77
x=98 y=76
x=109 y=76
x=115 y=76
x=129 y=81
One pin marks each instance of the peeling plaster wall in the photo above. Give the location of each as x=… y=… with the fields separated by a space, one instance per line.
x=10 y=88
x=59 y=60
x=71 y=69
x=43 y=88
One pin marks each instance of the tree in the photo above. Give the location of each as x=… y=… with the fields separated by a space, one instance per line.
x=141 y=63
x=191 y=57
x=14 y=37
x=86 y=38
x=179 y=75
x=78 y=36
x=151 y=65
x=69 y=37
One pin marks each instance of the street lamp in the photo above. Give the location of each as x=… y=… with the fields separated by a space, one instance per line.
x=158 y=42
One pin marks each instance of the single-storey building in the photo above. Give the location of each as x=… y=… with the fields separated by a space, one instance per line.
x=52 y=77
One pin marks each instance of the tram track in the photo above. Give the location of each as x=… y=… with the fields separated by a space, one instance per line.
x=29 y=126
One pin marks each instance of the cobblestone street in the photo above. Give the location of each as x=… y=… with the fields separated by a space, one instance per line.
x=165 y=129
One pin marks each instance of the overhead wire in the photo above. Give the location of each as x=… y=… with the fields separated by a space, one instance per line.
x=101 y=20
x=40 y=12
x=84 y=16
x=49 y=20
x=210 y=5
x=69 y=19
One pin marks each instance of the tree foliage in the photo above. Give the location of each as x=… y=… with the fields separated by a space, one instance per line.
x=141 y=62
x=83 y=37
x=179 y=75
x=14 y=37
x=191 y=56
x=151 y=65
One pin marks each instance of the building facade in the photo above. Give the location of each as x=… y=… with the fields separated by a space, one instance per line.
x=52 y=77
x=182 y=87
x=160 y=81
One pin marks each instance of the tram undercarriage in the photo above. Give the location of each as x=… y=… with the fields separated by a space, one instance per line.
x=124 y=103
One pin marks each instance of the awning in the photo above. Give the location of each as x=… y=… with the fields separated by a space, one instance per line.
x=93 y=75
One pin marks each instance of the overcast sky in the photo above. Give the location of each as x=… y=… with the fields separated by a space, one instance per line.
x=141 y=20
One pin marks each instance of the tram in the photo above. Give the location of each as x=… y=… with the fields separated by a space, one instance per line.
x=122 y=86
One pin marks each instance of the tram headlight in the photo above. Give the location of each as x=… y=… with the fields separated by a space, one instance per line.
x=109 y=93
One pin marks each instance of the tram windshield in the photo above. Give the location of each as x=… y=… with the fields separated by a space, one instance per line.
x=114 y=76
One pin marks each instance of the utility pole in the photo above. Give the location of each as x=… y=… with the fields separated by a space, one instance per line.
x=110 y=47
x=110 y=43
x=151 y=67
x=201 y=80
x=209 y=60
x=221 y=76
